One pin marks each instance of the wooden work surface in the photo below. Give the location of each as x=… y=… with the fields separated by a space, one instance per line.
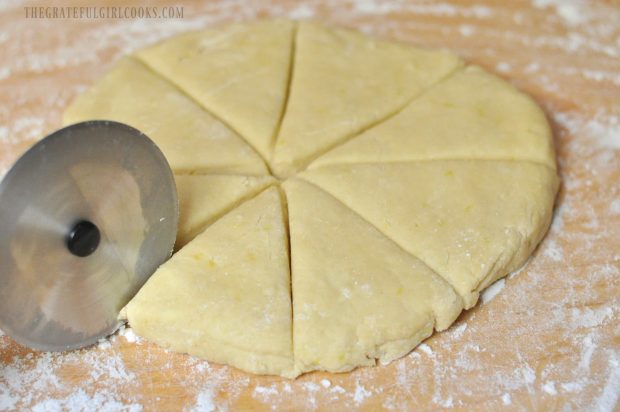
x=546 y=338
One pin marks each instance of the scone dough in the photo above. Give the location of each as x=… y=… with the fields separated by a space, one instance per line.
x=359 y=296
x=239 y=73
x=205 y=198
x=344 y=82
x=471 y=115
x=191 y=139
x=472 y=221
x=226 y=295
x=341 y=197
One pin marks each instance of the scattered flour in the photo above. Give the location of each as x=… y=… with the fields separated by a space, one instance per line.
x=506 y=399
x=81 y=401
x=549 y=387
x=204 y=402
x=503 y=67
x=311 y=387
x=572 y=387
x=338 y=389
x=532 y=67
x=376 y=7
x=104 y=344
x=590 y=318
x=610 y=394
x=457 y=332
x=4 y=72
x=426 y=349
x=587 y=350
x=26 y=380
x=553 y=251
x=129 y=335
x=26 y=128
x=466 y=30
x=572 y=12
x=603 y=130
x=265 y=391
x=302 y=12
x=360 y=394
x=489 y=293
x=614 y=207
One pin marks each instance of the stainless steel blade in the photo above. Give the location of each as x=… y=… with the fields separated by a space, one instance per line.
x=102 y=172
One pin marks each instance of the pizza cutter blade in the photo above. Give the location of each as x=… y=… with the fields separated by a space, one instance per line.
x=86 y=216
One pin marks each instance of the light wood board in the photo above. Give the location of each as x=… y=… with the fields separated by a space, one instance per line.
x=547 y=338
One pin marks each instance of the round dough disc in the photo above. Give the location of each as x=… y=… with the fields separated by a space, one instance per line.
x=342 y=197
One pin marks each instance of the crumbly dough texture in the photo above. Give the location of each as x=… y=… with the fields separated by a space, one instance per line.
x=408 y=182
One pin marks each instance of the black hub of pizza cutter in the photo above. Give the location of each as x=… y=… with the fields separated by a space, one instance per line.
x=83 y=238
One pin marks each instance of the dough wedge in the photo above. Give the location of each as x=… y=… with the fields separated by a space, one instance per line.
x=357 y=296
x=226 y=295
x=191 y=139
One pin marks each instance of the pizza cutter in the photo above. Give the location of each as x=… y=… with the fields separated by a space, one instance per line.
x=86 y=216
